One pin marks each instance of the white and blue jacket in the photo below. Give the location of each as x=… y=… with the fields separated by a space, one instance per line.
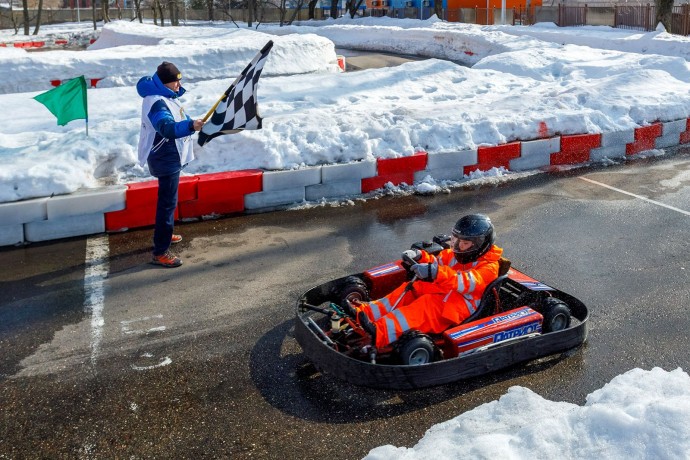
x=165 y=141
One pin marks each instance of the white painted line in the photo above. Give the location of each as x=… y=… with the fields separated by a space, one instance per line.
x=672 y=208
x=163 y=362
x=97 y=266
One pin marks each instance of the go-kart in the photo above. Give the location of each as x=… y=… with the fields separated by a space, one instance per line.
x=518 y=319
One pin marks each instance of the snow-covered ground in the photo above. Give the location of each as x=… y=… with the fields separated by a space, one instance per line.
x=482 y=85
x=521 y=78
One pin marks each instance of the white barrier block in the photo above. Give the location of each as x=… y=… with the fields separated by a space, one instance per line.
x=86 y=224
x=601 y=153
x=535 y=154
x=273 y=198
x=455 y=174
x=20 y=212
x=292 y=178
x=617 y=138
x=667 y=140
x=348 y=171
x=451 y=160
x=540 y=147
x=88 y=201
x=333 y=190
x=11 y=234
x=674 y=127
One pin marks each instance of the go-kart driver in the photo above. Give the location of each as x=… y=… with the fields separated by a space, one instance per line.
x=454 y=282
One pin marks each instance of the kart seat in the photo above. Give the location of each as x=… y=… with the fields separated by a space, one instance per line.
x=491 y=299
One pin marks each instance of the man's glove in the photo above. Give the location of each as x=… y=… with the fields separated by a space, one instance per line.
x=425 y=272
x=410 y=257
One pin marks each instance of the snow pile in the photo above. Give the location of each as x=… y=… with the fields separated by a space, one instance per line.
x=638 y=415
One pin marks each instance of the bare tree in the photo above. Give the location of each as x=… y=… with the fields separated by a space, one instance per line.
x=105 y=10
x=352 y=6
x=334 y=9
x=38 y=16
x=438 y=8
x=25 y=12
x=664 y=11
x=93 y=13
x=312 y=8
x=137 y=8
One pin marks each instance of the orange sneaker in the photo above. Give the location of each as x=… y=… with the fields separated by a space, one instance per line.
x=166 y=260
x=175 y=239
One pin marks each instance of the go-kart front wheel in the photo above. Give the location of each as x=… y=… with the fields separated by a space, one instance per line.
x=352 y=289
x=417 y=351
x=556 y=315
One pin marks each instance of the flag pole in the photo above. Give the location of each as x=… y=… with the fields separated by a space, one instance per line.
x=215 y=106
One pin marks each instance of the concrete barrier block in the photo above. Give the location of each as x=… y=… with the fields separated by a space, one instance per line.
x=617 y=138
x=535 y=160
x=674 y=127
x=65 y=227
x=451 y=160
x=292 y=178
x=11 y=234
x=89 y=201
x=612 y=152
x=348 y=171
x=273 y=198
x=21 y=212
x=667 y=140
x=333 y=189
x=455 y=173
x=540 y=147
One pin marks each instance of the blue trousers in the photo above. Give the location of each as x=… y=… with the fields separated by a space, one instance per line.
x=165 y=212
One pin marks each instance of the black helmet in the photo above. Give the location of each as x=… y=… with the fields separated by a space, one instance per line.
x=476 y=228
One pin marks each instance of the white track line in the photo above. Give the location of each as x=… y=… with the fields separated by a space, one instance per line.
x=672 y=208
x=97 y=255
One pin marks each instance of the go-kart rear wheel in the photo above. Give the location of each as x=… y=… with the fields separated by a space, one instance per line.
x=353 y=288
x=556 y=315
x=417 y=350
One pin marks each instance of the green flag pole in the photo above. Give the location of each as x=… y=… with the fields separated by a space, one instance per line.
x=67 y=102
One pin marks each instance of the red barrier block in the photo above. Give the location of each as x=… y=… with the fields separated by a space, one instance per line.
x=373 y=183
x=214 y=187
x=94 y=81
x=413 y=163
x=141 y=194
x=576 y=149
x=56 y=82
x=645 y=138
x=224 y=205
x=494 y=156
x=38 y=44
x=684 y=137
x=3 y=45
x=60 y=42
x=188 y=188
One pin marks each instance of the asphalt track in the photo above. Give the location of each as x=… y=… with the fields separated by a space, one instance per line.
x=106 y=356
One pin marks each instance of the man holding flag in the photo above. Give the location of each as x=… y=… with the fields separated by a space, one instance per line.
x=165 y=144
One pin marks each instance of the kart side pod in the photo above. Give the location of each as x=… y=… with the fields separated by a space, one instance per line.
x=483 y=333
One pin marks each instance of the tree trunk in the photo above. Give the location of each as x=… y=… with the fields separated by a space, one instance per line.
x=93 y=13
x=137 y=6
x=38 y=16
x=250 y=12
x=209 y=8
x=312 y=8
x=334 y=9
x=664 y=10
x=25 y=8
x=438 y=9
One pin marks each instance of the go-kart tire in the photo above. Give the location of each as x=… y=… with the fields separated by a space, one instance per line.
x=352 y=288
x=417 y=351
x=556 y=315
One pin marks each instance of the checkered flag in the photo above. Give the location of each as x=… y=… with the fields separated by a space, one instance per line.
x=238 y=109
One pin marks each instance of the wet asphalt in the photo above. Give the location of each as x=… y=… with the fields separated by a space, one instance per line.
x=200 y=361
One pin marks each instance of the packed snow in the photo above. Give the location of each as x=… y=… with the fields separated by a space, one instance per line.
x=481 y=85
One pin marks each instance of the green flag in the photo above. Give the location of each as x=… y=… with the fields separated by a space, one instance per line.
x=67 y=101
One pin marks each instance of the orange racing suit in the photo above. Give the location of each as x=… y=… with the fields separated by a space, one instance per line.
x=433 y=307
